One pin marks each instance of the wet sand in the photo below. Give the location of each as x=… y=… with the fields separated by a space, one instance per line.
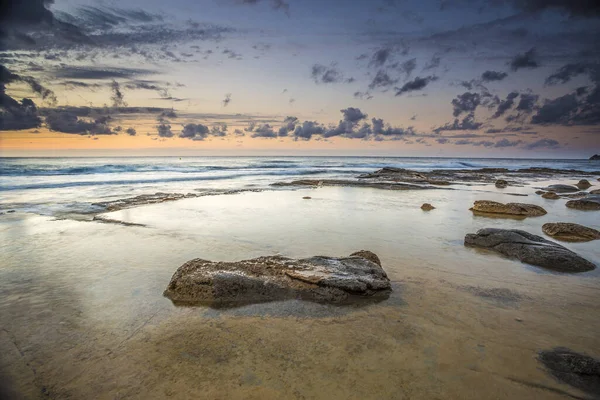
x=82 y=313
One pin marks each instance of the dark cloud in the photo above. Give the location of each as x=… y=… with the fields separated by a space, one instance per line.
x=289 y=125
x=543 y=143
x=467 y=123
x=164 y=130
x=80 y=72
x=525 y=60
x=227 y=100
x=281 y=5
x=507 y=143
x=506 y=104
x=219 y=129
x=574 y=8
x=117 y=97
x=264 y=131
x=527 y=102
x=569 y=71
x=323 y=74
x=557 y=111
x=416 y=84
x=353 y=115
x=69 y=122
x=433 y=63
x=379 y=58
x=492 y=76
x=465 y=103
x=194 y=132
x=307 y=129
x=23 y=114
x=131 y=131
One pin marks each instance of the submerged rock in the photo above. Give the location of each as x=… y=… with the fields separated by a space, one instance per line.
x=427 y=207
x=577 y=370
x=519 y=209
x=319 y=278
x=583 y=184
x=529 y=248
x=562 y=188
x=501 y=183
x=590 y=202
x=570 y=232
x=595 y=191
x=551 y=196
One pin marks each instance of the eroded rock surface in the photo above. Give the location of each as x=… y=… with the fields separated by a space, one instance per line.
x=560 y=188
x=427 y=207
x=529 y=248
x=570 y=232
x=583 y=184
x=590 y=202
x=578 y=370
x=515 y=209
x=501 y=183
x=550 y=196
x=319 y=278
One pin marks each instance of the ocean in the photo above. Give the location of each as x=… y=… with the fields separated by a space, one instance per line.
x=50 y=186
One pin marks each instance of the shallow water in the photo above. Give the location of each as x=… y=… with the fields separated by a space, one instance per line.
x=82 y=313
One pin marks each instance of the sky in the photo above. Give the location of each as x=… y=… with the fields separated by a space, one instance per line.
x=469 y=78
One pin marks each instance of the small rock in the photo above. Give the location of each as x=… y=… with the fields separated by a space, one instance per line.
x=561 y=189
x=529 y=248
x=551 y=196
x=540 y=192
x=570 y=232
x=501 y=183
x=521 y=209
x=583 y=184
x=427 y=207
x=11 y=211
x=591 y=202
x=307 y=197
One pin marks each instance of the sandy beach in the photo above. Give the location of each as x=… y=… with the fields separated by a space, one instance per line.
x=83 y=316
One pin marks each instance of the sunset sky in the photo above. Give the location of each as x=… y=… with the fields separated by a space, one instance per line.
x=498 y=78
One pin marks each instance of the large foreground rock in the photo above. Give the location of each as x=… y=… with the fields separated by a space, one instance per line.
x=518 y=209
x=591 y=202
x=570 y=232
x=578 y=370
x=327 y=279
x=528 y=248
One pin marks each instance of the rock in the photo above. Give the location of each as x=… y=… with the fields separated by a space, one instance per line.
x=427 y=207
x=540 y=192
x=551 y=196
x=10 y=211
x=354 y=183
x=583 y=184
x=578 y=370
x=570 y=232
x=529 y=248
x=595 y=191
x=307 y=197
x=591 y=202
x=595 y=157
x=272 y=278
x=561 y=188
x=493 y=207
x=501 y=183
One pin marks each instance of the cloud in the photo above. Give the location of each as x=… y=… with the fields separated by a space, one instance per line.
x=68 y=122
x=525 y=60
x=492 y=76
x=559 y=110
x=507 y=143
x=289 y=125
x=416 y=84
x=381 y=80
x=574 y=8
x=353 y=115
x=467 y=123
x=380 y=56
x=17 y=115
x=407 y=67
x=194 y=132
x=275 y=4
x=569 y=71
x=117 y=97
x=219 y=129
x=543 y=143
x=465 y=103
x=307 y=129
x=264 y=131
x=506 y=104
x=323 y=74
x=131 y=131
x=227 y=100
x=81 y=72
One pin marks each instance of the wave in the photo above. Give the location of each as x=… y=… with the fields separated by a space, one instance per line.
x=55 y=185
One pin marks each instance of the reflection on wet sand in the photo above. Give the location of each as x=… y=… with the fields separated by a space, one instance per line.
x=82 y=313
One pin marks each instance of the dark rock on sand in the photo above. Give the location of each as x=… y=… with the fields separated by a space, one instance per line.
x=561 y=188
x=319 y=278
x=427 y=207
x=518 y=209
x=307 y=197
x=551 y=196
x=570 y=232
x=583 y=184
x=501 y=183
x=529 y=248
x=590 y=202
x=578 y=370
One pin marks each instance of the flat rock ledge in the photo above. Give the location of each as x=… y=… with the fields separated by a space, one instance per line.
x=263 y=279
x=354 y=183
x=570 y=232
x=511 y=209
x=590 y=202
x=529 y=248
